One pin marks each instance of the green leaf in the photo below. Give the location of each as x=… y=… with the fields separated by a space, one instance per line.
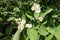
x=42 y=30
x=51 y=30
x=57 y=32
x=27 y=38
x=6 y=38
x=1 y=34
x=16 y=35
x=10 y=28
x=54 y=16
x=49 y=37
x=46 y=12
x=10 y=18
x=36 y=15
x=44 y=22
x=23 y=17
x=16 y=9
x=29 y=16
x=32 y=34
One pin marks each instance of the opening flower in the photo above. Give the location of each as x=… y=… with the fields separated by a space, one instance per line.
x=36 y=8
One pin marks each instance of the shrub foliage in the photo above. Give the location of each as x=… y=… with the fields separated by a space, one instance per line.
x=19 y=20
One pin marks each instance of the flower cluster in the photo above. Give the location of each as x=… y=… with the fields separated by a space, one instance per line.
x=22 y=24
x=36 y=7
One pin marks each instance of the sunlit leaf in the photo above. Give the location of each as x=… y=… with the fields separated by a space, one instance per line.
x=49 y=37
x=57 y=32
x=46 y=12
x=30 y=17
x=23 y=17
x=16 y=35
x=36 y=15
x=32 y=34
x=43 y=31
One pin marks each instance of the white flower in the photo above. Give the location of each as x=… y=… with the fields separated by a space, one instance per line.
x=33 y=8
x=37 y=11
x=23 y=22
x=18 y=20
x=28 y=25
x=36 y=8
x=40 y=18
x=21 y=27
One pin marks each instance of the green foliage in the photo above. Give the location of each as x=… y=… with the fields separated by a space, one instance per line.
x=32 y=34
x=57 y=32
x=42 y=30
x=1 y=34
x=17 y=35
x=47 y=27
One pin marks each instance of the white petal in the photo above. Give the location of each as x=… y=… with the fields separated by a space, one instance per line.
x=19 y=19
x=32 y=8
x=23 y=22
x=35 y=6
x=21 y=27
x=28 y=25
x=37 y=11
